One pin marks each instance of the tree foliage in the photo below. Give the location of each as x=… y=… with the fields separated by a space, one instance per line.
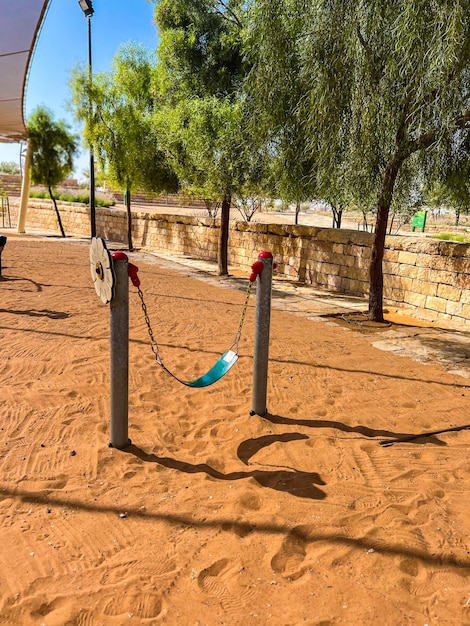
x=53 y=148
x=377 y=86
x=120 y=128
x=119 y=124
x=201 y=74
x=9 y=167
x=201 y=45
x=450 y=186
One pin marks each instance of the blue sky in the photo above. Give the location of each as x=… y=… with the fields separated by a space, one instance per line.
x=63 y=43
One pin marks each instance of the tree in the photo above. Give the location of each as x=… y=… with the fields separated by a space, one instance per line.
x=121 y=129
x=384 y=85
x=199 y=136
x=9 y=167
x=277 y=114
x=53 y=148
x=202 y=71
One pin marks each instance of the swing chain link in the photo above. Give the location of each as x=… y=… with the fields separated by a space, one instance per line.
x=242 y=319
x=153 y=342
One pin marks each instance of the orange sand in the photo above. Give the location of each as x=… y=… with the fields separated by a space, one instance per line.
x=211 y=516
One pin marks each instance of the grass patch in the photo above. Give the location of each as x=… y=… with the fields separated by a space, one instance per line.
x=459 y=238
x=65 y=197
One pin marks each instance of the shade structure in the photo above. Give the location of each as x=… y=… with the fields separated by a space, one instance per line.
x=20 y=22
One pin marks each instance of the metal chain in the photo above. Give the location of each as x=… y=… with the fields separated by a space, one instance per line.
x=153 y=343
x=242 y=319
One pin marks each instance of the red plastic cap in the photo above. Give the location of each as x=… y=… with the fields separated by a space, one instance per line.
x=265 y=255
x=119 y=256
x=257 y=268
x=132 y=272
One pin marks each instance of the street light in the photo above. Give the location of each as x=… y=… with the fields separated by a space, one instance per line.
x=87 y=8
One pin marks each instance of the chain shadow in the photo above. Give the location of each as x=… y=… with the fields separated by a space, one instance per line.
x=357 y=370
x=370 y=433
x=297 y=483
x=247 y=449
x=12 y=279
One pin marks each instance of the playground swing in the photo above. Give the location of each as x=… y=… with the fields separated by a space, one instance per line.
x=223 y=364
x=110 y=274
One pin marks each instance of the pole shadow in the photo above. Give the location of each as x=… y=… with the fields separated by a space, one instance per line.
x=296 y=483
x=53 y=315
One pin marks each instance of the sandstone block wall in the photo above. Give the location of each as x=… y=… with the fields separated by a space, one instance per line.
x=430 y=275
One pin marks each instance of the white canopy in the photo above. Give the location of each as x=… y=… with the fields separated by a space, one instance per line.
x=20 y=22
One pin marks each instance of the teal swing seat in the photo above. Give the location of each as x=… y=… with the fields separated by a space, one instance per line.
x=215 y=373
x=223 y=364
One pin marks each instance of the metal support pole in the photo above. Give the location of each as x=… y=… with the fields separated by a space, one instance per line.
x=92 y=157
x=262 y=325
x=24 y=190
x=119 y=366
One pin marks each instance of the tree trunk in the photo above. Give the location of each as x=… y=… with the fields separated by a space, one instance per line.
x=56 y=212
x=377 y=251
x=222 y=252
x=337 y=215
x=297 y=211
x=457 y=216
x=129 y=220
x=365 y=225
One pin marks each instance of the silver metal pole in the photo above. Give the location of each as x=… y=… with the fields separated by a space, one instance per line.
x=262 y=325
x=119 y=366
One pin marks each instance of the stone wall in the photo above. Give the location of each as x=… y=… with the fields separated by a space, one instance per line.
x=430 y=275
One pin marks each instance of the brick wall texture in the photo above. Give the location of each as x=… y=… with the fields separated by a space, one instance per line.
x=426 y=274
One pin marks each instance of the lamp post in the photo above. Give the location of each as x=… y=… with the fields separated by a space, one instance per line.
x=87 y=8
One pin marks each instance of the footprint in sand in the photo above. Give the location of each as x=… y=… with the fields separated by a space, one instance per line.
x=221 y=580
x=249 y=500
x=288 y=560
x=143 y=605
x=409 y=566
x=129 y=474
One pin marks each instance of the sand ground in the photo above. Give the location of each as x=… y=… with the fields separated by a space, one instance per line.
x=346 y=504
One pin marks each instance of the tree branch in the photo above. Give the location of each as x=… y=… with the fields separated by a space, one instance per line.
x=234 y=20
x=377 y=65
x=462 y=121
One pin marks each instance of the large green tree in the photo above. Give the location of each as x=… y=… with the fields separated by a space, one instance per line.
x=384 y=86
x=202 y=70
x=53 y=148
x=121 y=128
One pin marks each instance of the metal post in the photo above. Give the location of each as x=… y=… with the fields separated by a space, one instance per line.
x=24 y=190
x=92 y=157
x=119 y=366
x=262 y=325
